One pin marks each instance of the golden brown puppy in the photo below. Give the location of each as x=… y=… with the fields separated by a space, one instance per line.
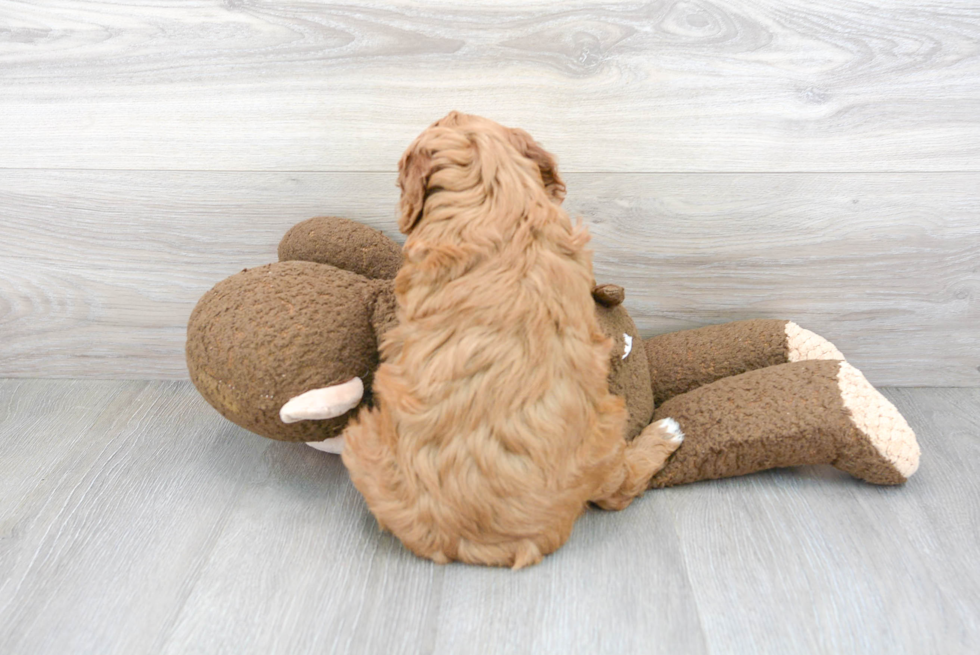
x=494 y=424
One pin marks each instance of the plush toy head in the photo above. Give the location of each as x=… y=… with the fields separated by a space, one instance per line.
x=271 y=333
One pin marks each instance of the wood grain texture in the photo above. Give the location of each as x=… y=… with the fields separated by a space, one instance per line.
x=135 y=520
x=618 y=586
x=101 y=269
x=106 y=524
x=840 y=574
x=670 y=85
x=885 y=266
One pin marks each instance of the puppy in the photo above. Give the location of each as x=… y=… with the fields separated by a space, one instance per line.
x=494 y=425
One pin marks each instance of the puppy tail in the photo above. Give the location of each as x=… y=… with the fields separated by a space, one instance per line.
x=527 y=554
x=516 y=554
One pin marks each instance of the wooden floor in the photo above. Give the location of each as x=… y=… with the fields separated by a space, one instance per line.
x=732 y=159
x=135 y=520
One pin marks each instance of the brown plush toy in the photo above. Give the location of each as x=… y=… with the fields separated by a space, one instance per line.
x=288 y=350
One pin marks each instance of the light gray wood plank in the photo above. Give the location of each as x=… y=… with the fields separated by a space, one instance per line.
x=168 y=529
x=126 y=519
x=101 y=269
x=613 y=86
x=305 y=567
x=41 y=427
x=813 y=561
x=618 y=586
x=157 y=527
x=885 y=266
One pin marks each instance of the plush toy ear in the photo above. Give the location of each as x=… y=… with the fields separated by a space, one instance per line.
x=609 y=295
x=530 y=148
x=413 y=179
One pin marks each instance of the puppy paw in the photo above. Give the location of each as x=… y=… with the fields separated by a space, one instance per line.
x=671 y=430
x=650 y=451
x=644 y=457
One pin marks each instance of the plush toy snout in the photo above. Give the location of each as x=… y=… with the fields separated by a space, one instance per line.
x=270 y=334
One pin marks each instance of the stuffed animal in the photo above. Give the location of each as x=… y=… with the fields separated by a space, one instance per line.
x=288 y=350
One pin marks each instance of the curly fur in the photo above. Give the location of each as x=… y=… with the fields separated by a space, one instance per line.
x=494 y=424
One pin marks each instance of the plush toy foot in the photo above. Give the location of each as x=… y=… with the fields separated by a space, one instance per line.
x=794 y=414
x=333 y=445
x=328 y=402
x=803 y=345
x=894 y=453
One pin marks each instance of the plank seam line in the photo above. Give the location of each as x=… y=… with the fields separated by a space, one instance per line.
x=393 y=171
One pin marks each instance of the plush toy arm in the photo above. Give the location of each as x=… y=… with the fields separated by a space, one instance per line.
x=343 y=243
x=682 y=361
x=800 y=413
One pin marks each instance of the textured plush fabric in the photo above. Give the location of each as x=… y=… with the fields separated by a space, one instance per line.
x=876 y=417
x=803 y=344
x=787 y=415
x=267 y=334
x=342 y=243
x=609 y=295
x=384 y=316
x=681 y=361
x=629 y=377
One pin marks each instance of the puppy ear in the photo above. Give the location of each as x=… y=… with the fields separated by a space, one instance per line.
x=452 y=119
x=530 y=148
x=413 y=179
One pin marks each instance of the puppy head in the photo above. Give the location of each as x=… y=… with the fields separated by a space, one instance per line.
x=455 y=141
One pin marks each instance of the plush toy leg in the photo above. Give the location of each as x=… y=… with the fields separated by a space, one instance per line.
x=810 y=412
x=685 y=360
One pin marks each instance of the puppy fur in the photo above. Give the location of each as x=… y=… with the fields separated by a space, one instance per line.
x=494 y=425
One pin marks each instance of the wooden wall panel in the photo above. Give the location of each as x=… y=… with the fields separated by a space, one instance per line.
x=99 y=270
x=285 y=85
